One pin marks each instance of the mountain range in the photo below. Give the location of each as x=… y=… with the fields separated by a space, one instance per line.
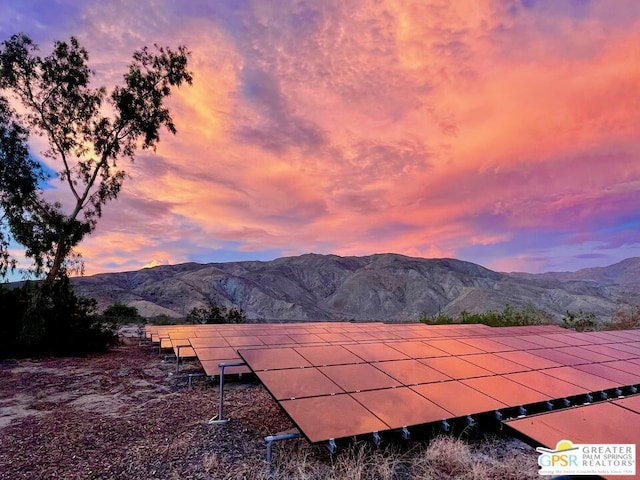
x=376 y=287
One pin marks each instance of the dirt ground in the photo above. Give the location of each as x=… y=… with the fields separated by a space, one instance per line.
x=125 y=415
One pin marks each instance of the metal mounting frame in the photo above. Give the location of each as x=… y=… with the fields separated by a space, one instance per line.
x=219 y=418
x=270 y=439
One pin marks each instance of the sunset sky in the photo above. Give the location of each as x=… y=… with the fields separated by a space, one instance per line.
x=505 y=133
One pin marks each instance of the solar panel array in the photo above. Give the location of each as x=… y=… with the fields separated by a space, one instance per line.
x=342 y=379
x=214 y=344
x=364 y=388
x=614 y=421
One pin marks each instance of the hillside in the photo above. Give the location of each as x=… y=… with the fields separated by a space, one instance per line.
x=376 y=287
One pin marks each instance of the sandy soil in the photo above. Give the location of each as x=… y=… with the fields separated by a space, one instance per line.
x=125 y=415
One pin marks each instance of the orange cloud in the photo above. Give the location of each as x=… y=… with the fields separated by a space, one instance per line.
x=429 y=128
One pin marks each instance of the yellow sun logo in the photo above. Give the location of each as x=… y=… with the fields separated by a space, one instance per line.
x=561 y=446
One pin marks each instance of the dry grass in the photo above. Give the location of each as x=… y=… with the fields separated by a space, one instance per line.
x=443 y=458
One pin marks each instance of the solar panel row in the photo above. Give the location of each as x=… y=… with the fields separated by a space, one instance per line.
x=611 y=422
x=337 y=380
x=447 y=378
x=323 y=333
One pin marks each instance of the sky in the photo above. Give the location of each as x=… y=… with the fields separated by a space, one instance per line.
x=500 y=132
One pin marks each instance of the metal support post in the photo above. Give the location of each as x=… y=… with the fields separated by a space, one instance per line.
x=178 y=359
x=219 y=417
x=331 y=445
x=269 y=440
x=405 y=433
x=445 y=425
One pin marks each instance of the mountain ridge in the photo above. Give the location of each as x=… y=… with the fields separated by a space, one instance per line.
x=385 y=286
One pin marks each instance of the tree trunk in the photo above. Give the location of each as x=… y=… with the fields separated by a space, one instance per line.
x=57 y=263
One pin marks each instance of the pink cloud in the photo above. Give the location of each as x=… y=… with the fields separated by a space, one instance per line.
x=417 y=127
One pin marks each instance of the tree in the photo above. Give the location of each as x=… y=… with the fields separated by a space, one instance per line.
x=212 y=313
x=56 y=101
x=122 y=313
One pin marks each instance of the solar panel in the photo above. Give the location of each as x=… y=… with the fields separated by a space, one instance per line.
x=305 y=338
x=453 y=347
x=506 y=391
x=610 y=351
x=321 y=355
x=401 y=407
x=375 y=352
x=208 y=342
x=417 y=349
x=244 y=341
x=559 y=357
x=603 y=422
x=586 y=354
x=624 y=335
x=630 y=403
x=592 y=383
x=611 y=373
x=334 y=337
x=494 y=363
x=333 y=416
x=627 y=347
x=518 y=343
x=360 y=336
x=628 y=367
x=273 y=358
x=597 y=423
x=359 y=377
x=276 y=339
x=487 y=345
x=216 y=353
x=458 y=398
x=456 y=367
x=297 y=383
x=551 y=386
x=528 y=359
x=411 y=372
x=547 y=341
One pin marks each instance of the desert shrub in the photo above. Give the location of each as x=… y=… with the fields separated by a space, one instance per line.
x=164 y=319
x=39 y=319
x=625 y=317
x=214 y=313
x=510 y=316
x=120 y=313
x=581 y=321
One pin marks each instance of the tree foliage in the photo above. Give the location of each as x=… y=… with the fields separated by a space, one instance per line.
x=87 y=132
x=581 y=321
x=40 y=319
x=121 y=313
x=510 y=316
x=213 y=313
x=625 y=317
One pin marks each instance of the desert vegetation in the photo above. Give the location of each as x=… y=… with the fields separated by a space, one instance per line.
x=624 y=317
x=510 y=316
x=41 y=319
